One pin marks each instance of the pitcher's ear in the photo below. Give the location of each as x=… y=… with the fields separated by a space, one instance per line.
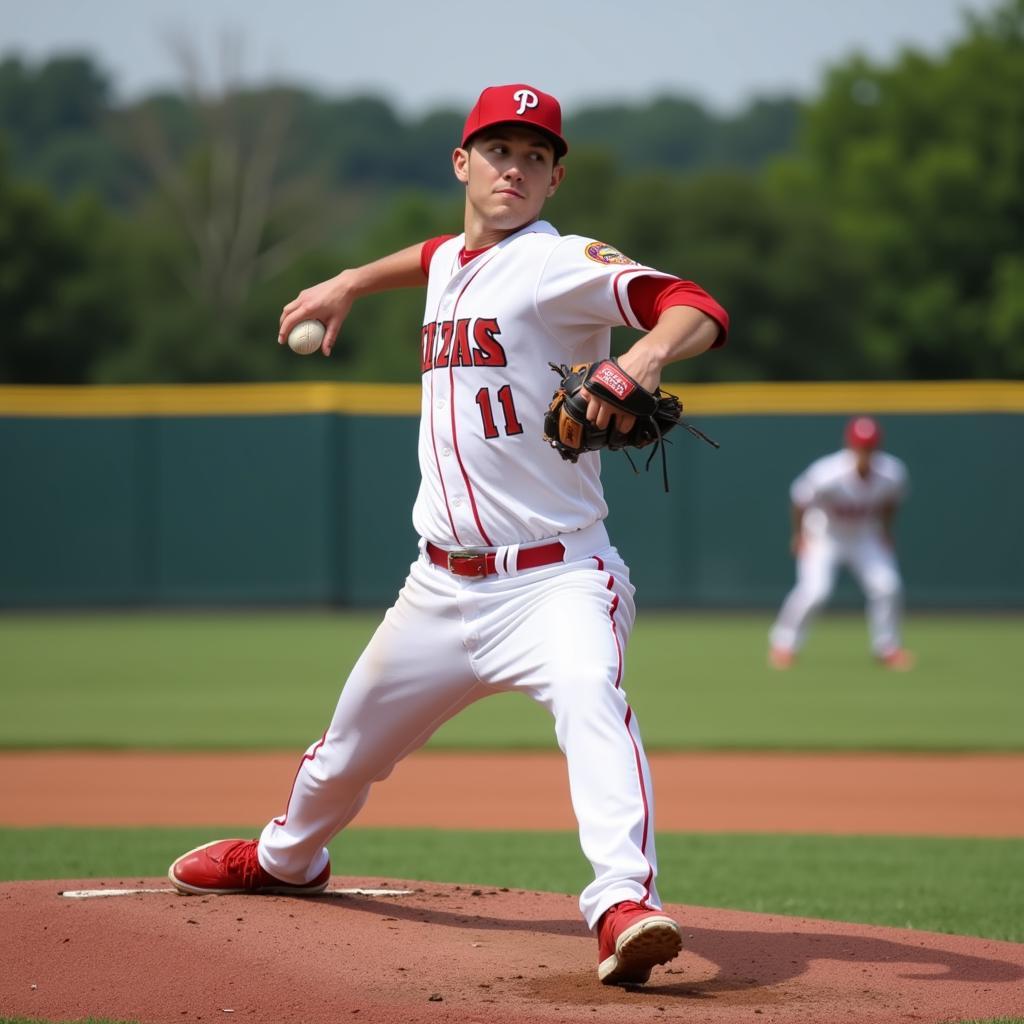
x=557 y=175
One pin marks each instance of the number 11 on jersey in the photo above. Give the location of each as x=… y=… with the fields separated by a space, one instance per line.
x=508 y=408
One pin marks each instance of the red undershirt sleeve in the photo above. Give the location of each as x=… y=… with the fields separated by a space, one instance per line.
x=651 y=296
x=430 y=246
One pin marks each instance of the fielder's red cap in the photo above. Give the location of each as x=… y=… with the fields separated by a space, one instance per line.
x=863 y=432
x=517 y=104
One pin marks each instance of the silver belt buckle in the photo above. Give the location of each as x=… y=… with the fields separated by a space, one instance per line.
x=467 y=560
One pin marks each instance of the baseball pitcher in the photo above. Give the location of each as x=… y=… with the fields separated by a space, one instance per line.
x=516 y=585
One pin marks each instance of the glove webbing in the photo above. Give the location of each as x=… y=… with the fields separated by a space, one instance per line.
x=661 y=442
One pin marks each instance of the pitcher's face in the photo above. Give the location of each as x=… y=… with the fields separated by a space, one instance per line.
x=509 y=172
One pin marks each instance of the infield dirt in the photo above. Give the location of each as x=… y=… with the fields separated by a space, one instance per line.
x=859 y=794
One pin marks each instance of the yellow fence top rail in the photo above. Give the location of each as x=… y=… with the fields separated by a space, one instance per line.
x=43 y=401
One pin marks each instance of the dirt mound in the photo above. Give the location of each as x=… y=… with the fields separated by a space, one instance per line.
x=445 y=953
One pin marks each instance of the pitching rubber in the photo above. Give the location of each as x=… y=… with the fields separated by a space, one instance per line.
x=652 y=941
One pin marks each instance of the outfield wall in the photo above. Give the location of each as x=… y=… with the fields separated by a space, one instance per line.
x=301 y=493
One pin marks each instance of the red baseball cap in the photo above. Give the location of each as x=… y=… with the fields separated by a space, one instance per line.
x=863 y=432
x=517 y=104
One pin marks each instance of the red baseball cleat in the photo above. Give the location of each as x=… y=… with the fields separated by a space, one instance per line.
x=779 y=657
x=899 y=660
x=231 y=866
x=633 y=938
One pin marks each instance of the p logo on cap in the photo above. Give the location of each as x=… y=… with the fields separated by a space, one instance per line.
x=517 y=104
x=528 y=99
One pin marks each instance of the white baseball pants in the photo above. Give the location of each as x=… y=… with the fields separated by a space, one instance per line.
x=556 y=633
x=873 y=565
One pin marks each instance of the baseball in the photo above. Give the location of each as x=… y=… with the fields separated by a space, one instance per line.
x=306 y=337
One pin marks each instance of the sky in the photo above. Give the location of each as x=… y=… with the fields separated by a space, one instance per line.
x=425 y=55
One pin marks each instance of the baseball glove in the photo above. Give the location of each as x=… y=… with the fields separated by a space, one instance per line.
x=570 y=433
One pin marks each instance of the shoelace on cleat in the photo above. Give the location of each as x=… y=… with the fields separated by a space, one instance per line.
x=242 y=860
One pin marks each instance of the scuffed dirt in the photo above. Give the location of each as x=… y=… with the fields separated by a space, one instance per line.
x=455 y=954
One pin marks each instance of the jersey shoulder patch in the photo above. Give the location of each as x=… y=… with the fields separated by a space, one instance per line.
x=599 y=252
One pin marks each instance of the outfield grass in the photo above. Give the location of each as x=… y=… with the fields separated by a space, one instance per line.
x=957 y=886
x=696 y=680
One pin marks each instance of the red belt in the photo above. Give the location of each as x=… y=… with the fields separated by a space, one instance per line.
x=477 y=564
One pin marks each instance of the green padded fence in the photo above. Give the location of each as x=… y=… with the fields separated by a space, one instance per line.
x=295 y=494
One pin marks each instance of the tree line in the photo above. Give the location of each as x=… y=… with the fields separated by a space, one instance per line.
x=874 y=230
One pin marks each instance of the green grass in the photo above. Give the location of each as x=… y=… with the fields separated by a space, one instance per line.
x=958 y=886
x=696 y=680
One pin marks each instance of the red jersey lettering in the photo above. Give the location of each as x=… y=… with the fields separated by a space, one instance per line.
x=487 y=350
x=461 y=344
x=461 y=354
x=427 y=337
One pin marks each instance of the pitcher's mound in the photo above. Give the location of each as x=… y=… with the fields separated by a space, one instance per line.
x=447 y=953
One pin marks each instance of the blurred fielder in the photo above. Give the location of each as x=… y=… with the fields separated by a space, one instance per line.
x=843 y=509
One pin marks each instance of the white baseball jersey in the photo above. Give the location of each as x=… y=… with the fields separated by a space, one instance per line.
x=839 y=502
x=490 y=330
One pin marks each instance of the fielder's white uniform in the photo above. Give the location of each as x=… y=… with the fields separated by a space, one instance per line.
x=556 y=632
x=842 y=525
